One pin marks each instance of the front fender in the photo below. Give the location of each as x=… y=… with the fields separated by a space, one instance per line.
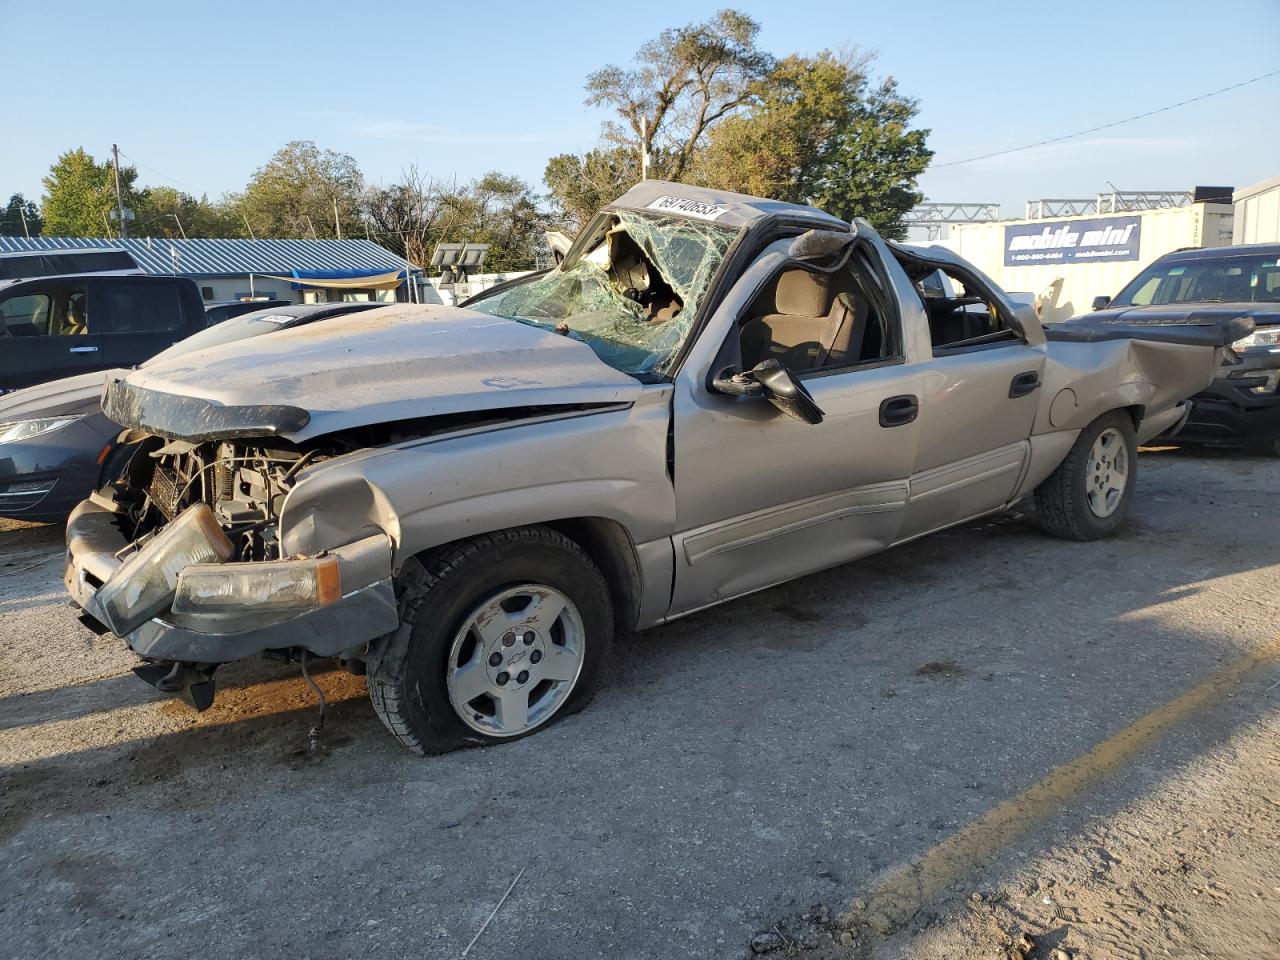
x=425 y=493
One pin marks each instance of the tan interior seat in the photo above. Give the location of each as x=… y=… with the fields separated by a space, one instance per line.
x=809 y=326
x=75 y=324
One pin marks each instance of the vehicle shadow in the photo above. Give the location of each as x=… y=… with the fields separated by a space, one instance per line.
x=738 y=765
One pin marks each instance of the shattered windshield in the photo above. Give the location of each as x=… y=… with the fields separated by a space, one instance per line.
x=632 y=297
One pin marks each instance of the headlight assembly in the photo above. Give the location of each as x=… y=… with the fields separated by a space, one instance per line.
x=1262 y=337
x=15 y=430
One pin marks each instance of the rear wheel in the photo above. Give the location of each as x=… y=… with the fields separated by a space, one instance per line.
x=500 y=636
x=1088 y=496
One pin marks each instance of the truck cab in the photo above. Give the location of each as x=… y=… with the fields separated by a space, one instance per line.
x=59 y=326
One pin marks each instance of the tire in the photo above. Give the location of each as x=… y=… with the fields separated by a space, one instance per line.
x=461 y=606
x=1076 y=501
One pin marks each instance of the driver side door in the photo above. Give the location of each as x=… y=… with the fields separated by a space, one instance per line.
x=50 y=332
x=762 y=498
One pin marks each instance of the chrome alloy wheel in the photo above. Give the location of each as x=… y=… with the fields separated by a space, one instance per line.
x=1108 y=473
x=515 y=660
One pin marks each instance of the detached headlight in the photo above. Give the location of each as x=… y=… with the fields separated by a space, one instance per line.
x=1262 y=337
x=16 y=430
x=265 y=588
x=145 y=583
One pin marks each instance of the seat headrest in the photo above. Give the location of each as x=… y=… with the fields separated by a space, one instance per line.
x=802 y=294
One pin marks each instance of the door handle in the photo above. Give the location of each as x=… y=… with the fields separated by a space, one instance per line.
x=83 y=350
x=1024 y=383
x=899 y=411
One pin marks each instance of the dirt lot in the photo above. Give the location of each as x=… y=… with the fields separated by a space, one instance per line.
x=930 y=754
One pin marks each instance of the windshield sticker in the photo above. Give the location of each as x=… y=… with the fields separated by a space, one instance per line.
x=689 y=208
x=1177 y=271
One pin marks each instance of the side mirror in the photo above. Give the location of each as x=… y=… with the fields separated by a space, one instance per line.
x=775 y=383
x=1101 y=302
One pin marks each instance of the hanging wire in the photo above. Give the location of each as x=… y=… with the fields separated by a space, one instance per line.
x=1105 y=126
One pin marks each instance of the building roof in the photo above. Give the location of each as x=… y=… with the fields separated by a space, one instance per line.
x=1253 y=189
x=212 y=258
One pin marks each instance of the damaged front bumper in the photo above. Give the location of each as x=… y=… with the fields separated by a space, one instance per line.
x=1240 y=409
x=357 y=603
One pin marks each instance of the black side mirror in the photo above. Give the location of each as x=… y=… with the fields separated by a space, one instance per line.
x=775 y=383
x=1100 y=302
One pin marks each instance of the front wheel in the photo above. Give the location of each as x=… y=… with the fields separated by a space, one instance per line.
x=500 y=636
x=1088 y=496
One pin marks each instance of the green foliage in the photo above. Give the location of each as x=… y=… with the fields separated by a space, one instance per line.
x=818 y=132
x=80 y=195
x=712 y=108
x=581 y=185
x=15 y=212
x=876 y=161
x=684 y=82
x=303 y=191
x=411 y=216
x=170 y=213
x=502 y=211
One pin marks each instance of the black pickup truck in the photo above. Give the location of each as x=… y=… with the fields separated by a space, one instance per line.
x=53 y=327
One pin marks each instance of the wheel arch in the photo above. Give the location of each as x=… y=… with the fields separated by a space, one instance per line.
x=606 y=542
x=609 y=545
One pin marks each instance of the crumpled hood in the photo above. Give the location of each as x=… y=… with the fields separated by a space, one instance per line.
x=1208 y=312
x=57 y=398
x=398 y=363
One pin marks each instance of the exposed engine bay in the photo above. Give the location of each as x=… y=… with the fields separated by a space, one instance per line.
x=244 y=482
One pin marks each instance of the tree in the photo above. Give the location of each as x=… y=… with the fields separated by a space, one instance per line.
x=20 y=217
x=405 y=216
x=502 y=211
x=684 y=82
x=170 y=213
x=303 y=191
x=581 y=185
x=877 y=160
x=80 y=195
x=819 y=132
x=410 y=217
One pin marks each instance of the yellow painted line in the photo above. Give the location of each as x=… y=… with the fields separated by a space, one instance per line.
x=908 y=888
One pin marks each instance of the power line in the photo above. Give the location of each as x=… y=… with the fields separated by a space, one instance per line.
x=173 y=181
x=1106 y=126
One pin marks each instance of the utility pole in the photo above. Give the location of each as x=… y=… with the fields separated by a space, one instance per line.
x=644 y=148
x=115 y=163
x=337 y=224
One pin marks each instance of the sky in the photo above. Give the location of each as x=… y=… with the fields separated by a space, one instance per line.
x=198 y=95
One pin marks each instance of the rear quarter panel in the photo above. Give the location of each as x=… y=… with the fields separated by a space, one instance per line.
x=1085 y=380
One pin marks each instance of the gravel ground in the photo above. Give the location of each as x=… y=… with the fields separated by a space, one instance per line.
x=751 y=771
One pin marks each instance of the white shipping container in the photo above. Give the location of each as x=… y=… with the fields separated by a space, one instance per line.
x=1258 y=212
x=1065 y=289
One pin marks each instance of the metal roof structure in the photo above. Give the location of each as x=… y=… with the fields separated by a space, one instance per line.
x=214 y=258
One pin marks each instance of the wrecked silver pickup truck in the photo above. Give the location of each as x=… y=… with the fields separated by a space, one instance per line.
x=712 y=394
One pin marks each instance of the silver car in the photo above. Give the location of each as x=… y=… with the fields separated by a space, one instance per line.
x=711 y=395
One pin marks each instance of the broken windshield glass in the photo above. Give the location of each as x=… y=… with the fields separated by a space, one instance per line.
x=633 y=297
